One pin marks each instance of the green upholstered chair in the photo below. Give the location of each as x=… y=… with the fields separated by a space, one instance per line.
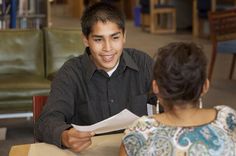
x=61 y=45
x=21 y=69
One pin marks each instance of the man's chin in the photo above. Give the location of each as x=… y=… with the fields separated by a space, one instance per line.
x=108 y=67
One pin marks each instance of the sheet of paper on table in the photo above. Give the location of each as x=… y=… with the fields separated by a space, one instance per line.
x=117 y=122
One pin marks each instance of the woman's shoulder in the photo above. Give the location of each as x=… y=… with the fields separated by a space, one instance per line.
x=225 y=109
x=144 y=121
x=143 y=124
x=226 y=117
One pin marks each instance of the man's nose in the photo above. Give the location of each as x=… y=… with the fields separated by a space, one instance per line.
x=107 y=45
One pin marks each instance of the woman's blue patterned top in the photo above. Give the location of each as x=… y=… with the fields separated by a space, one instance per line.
x=148 y=137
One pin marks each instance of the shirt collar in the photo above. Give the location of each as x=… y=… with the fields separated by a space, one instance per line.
x=129 y=61
x=91 y=67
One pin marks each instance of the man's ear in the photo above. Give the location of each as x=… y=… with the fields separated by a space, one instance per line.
x=155 y=87
x=85 y=40
x=124 y=37
x=205 y=87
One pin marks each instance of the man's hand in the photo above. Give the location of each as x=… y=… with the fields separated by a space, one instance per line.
x=75 y=140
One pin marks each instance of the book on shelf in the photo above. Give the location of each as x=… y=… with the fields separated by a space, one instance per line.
x=7 y=8
x=1 y=13
x=31 y=6
x=22 y=7
x=13 y=13
x=2 y=7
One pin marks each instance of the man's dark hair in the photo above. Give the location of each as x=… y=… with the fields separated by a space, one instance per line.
x=180 y=71
x=103 y=12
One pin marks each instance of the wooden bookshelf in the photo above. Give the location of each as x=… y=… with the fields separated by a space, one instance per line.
x=24 y=14
x=77 y=7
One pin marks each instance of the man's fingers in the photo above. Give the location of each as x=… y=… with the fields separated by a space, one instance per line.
x=78 y=134
x=81 y=146
x=73 y=140
x=76 y=140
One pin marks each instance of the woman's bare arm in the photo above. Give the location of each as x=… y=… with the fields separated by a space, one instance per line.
x=122 y=150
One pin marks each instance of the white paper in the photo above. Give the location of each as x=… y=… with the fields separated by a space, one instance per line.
x=117 y=122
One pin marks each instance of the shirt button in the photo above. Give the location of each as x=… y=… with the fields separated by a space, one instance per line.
x=111 y=100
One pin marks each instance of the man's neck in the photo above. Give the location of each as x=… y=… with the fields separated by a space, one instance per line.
x=110 y=72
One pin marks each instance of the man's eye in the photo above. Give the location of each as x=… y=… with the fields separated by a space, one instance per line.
x=97 y=40
x=116 y=37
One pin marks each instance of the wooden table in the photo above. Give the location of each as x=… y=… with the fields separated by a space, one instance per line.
x=22 y=150
x=105 y=145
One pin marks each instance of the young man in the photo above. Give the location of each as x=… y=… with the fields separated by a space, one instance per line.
x=103 y=81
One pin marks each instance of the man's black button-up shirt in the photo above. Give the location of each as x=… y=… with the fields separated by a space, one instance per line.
x=81 y=94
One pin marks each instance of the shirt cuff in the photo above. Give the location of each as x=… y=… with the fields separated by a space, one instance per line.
x=57 y=135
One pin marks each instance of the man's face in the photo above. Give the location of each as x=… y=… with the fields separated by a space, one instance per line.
x=105 y=42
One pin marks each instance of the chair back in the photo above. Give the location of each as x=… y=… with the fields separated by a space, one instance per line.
x=223 y=25
x=38 y=102
x=162 y=16
x=223 y=36
x=22 y=52
x=61 y=45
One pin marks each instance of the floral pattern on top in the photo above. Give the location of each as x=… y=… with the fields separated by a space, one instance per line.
x=148 y=137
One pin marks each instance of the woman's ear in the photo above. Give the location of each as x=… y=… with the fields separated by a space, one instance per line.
x=206 y=86
x=155 y=87
x=85 y=40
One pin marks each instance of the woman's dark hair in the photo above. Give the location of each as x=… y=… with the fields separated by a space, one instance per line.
x=103 y=12
x=180 y=72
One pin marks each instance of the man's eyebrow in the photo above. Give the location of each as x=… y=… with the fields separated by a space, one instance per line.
x=116 y=34
x=100 y=36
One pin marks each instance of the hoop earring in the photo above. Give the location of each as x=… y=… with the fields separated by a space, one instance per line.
x=200 y=102
x=158 y=106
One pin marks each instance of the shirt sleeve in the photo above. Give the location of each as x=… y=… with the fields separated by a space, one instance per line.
x=58 y=111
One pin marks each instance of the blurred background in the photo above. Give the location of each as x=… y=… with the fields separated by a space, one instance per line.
x=184 y=20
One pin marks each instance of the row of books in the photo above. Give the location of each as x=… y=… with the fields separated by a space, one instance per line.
x=22 y=13
x=23 y=23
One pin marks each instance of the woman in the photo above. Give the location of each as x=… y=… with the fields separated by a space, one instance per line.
x=180 y=80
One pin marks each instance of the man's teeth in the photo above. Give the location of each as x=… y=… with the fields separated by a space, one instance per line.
x=107 y=57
